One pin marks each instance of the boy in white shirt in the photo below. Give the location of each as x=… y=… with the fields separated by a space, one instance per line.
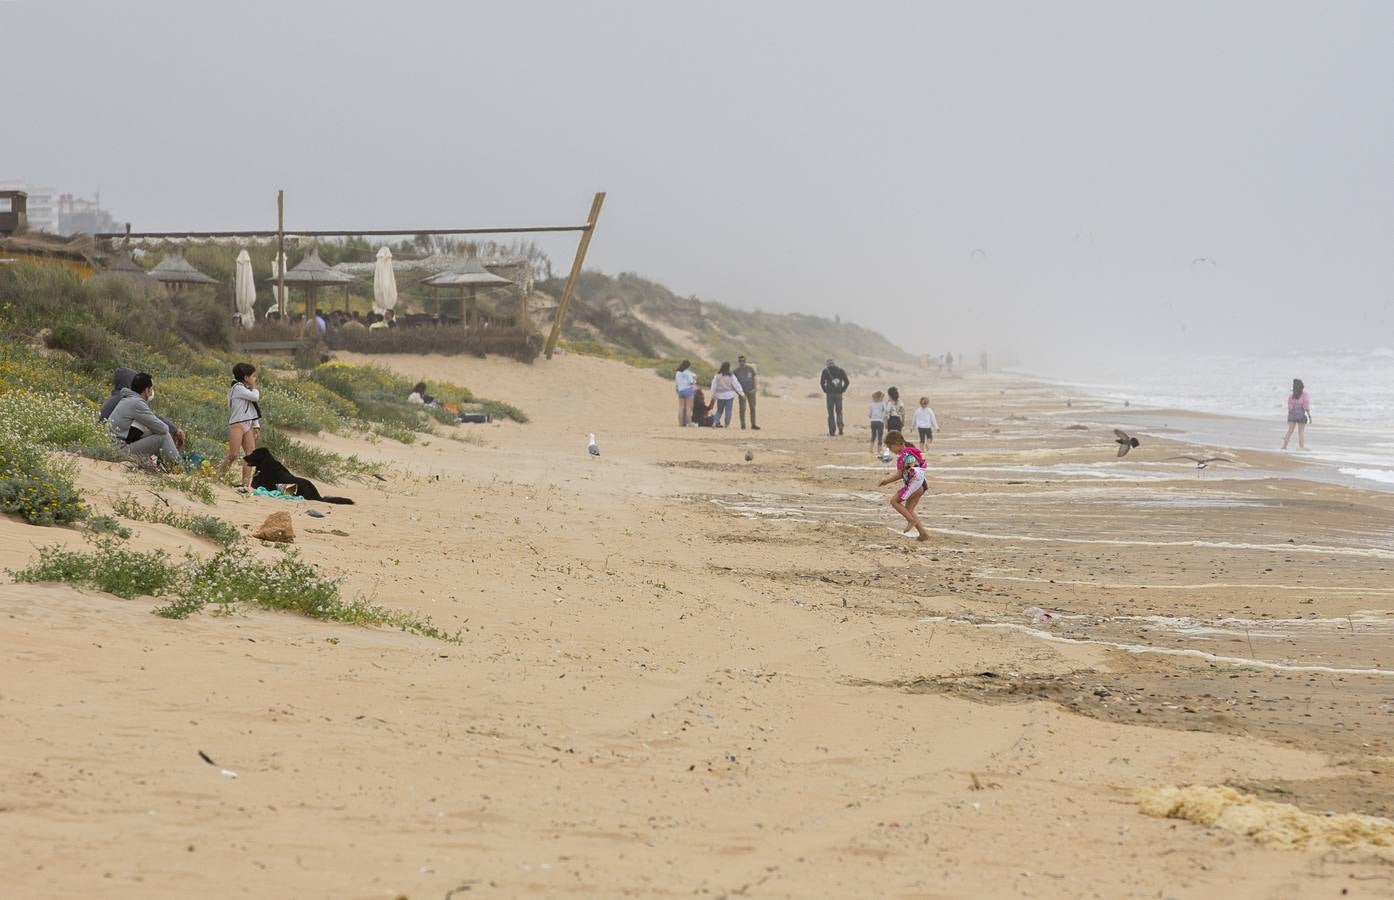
x=925 y=422
x=878 y=420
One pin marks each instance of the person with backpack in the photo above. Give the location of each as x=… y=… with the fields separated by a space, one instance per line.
x=834 y=382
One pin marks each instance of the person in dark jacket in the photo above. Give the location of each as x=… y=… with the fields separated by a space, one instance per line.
x=745 y=374
x=834 y=382
x=121 y=381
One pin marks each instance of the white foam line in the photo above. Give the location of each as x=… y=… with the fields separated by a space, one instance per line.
x=1167 y=651
x=1220 y=545
x=1185 y=587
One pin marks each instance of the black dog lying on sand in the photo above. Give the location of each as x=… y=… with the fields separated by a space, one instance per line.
x=271 y=474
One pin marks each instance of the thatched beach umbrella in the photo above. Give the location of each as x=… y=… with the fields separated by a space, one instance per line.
x=245 y=291
x=384 y=283
x=469 y=275
x=174 y=270
x=310 y=273
x=127 y=271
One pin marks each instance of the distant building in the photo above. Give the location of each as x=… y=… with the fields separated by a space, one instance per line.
x=43 y=205
x=56 y=213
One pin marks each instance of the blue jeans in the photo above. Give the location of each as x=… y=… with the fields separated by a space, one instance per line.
x=723 y=409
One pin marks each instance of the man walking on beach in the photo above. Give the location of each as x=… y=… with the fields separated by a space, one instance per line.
x=834 y=382
x=745 y=374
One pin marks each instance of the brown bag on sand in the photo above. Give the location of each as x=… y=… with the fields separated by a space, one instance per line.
x=276 y=528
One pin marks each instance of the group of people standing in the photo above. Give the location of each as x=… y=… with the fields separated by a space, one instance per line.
x=728 y=388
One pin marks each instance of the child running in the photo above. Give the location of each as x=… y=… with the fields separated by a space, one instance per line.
x=244 y=420
x=925 y=422
x=910 y=469
x=878 y=420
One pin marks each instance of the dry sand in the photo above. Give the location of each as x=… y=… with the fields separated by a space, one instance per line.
x=773 y=695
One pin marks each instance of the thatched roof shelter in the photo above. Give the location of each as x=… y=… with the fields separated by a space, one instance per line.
x=174 y=269
x=469 y=273
x=124 y=269
x=310 y=273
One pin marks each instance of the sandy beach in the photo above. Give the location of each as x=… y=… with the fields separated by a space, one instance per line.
x=687 y=674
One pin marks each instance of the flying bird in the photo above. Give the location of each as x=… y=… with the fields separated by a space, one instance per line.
x=978 y=252
x=591 y=447
x=1203 y=259
x=1125 y=441
x=1202 y=462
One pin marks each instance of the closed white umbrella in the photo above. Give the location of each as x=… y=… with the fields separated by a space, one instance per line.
x=384 y=283
x=245 y=291
x=278 y=264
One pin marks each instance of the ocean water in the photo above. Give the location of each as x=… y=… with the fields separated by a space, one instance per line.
x=1352 y=396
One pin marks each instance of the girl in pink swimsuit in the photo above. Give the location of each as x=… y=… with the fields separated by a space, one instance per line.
x=244 y=420
x=910 y=469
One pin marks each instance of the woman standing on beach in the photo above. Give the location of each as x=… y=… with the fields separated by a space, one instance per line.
x=685 y=383
x=1299 y=414
x=244 y=420
x=725 y=389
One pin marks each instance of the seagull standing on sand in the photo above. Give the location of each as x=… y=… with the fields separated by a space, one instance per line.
x=591 y=447
x=1125 y=441
x=749 y=456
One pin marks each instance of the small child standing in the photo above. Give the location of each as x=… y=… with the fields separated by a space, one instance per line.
x=244 y=420
x=878 y=420
x=895 y=413
x=925 y=422
x=910 y=469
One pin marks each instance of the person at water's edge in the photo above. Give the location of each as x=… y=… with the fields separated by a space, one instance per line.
x=745 y=374
x=834 y=382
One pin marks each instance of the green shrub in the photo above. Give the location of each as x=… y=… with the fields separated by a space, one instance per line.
x=21 y=459
x=111 y=568
x=43 y=499
x=108 y=525
x=210 y=527
x=91 y=345
x=48 y=420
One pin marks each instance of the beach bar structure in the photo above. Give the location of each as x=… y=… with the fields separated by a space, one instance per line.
x=174 y=271
x=311 y=273
x=471 y=275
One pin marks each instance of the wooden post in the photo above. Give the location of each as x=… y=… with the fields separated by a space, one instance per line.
x=575 y=271
x=281 y=252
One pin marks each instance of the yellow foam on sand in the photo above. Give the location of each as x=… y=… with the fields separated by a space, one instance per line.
x=1271 y=824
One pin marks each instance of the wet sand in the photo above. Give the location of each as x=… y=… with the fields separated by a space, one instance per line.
x=687 y=674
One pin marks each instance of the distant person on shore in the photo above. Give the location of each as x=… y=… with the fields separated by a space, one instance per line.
x=910 y=470
x=895 y=413
x=925 y=422
x=135 y=427
x=949 y=361
x=244 y=420
x=685 y=384
x=877 y=415
x=745 y=374
x=834 y=382
x=1299 y=414
x=121 y=381
x=701 y=410
x=725 y=390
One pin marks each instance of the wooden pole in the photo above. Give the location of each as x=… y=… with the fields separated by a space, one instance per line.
x=281 y=252
x=575 y=271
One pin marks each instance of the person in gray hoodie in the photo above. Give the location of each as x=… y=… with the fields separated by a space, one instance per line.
x=135 y=426
x=122 y=381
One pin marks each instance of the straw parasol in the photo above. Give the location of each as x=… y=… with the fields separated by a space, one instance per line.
x=174 y=270
x=384 y=283
x=310 y=273
x=245 y=291
x=125 y=270
x=471 y=276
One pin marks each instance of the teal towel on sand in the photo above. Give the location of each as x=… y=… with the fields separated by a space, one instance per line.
x=275 y=495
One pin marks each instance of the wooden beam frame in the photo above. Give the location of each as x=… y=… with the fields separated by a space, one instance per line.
x=575 y=275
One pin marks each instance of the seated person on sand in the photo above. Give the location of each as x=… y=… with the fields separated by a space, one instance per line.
x=135 y=427
x=122 y=381
x=702 y=410
x=418 y=395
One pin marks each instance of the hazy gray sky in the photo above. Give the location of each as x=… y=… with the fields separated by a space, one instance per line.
x=823 y=157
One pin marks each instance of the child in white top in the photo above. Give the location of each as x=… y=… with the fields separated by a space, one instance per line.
x=244 y=420
x=925 y=422
x=877 y=413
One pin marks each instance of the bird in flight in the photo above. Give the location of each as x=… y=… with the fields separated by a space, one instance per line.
x=978 y=252
x=1202 y=462
x=1203 y=259
x=1125 y=441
